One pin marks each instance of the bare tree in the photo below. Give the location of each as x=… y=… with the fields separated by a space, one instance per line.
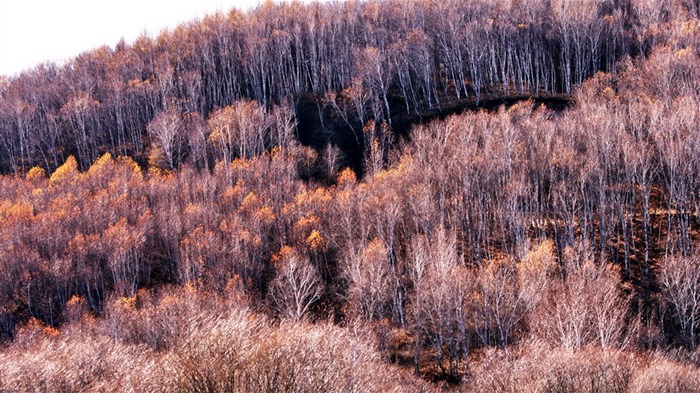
x=297 y=285
x=441 y=301
x=500 y=307
x=166 y=131
x=240 y=130
x=370 y=280
x=680 y=277
x=585 y=307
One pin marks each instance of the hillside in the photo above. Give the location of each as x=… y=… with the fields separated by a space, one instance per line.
x=382 y=61
x=415 y=196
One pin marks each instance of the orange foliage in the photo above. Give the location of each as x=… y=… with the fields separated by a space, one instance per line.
x=66 y=172
x=36 y=173
x=315 y=241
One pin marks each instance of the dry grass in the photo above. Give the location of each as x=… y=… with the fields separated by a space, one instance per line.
x=186 y=342
x=535 y=367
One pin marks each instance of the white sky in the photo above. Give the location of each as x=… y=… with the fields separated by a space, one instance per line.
x=35 y=31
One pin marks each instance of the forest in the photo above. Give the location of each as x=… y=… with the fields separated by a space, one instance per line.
x=360 y=196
